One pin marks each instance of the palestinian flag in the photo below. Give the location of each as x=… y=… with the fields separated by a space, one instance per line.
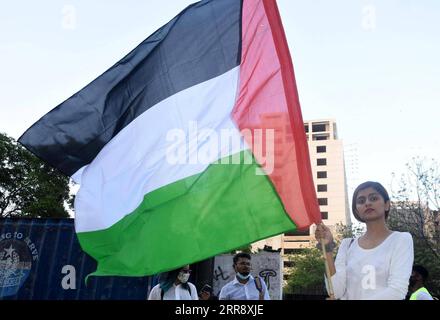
x=190 y=146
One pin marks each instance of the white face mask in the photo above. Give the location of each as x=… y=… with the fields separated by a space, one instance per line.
x=243 y=276
x=183 y=277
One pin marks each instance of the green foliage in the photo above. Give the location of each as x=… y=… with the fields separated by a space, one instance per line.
x=426 y=247
x=424 y=254
x=306 y=276
x=29 y=187
x=245 y=249
x=415 y=209
x=307 y=273
x=348 y=231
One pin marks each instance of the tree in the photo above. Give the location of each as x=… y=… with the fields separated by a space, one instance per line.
x=416 y=210
x=348 y=231
x=28 y=186
x=306 y=276
x=245 y=249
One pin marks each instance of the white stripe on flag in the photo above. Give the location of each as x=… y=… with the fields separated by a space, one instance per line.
x=135 y=162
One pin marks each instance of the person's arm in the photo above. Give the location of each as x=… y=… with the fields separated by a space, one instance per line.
x=266 y=292
x=194 y=295
x=223 y=295
x=155 y=293
x=402 y=259
x=338 y=269
x=204 y=295
x=323 y=234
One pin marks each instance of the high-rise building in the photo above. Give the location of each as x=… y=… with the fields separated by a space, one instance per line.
x=327 y=161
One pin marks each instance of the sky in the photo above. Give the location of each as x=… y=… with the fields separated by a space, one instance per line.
x=372 y=66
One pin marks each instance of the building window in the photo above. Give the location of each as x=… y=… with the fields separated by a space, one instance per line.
x=322 y=174
x=319 y=128
x=323 y=201
x=321 y=162
x=320 y=136
x=288 y=264
x=293 y=251
x=322 y=187
x=321 y=149
x=324 y=215
x=306 y=128
x=297 y=233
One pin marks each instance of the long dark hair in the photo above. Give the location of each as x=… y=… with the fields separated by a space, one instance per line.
x=369 y=184
x=167 y=279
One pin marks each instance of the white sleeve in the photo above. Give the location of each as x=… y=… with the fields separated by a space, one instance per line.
x=194 y=295
x=155 y=293
x=266 y=292
x=402 y=259
x=222 y=295
x=339 y=279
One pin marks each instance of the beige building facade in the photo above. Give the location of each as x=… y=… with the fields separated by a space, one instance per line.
x=327 y=161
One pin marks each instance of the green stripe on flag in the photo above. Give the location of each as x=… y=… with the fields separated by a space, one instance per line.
x=223 y=208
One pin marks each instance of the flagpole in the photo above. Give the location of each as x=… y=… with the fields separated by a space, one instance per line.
x=327 y=271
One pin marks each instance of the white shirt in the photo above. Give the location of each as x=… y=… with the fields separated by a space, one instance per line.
x=174 y=293
x=234 y=290
x=381 y=273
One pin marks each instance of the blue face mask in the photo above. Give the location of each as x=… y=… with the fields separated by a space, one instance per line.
x=243 y=277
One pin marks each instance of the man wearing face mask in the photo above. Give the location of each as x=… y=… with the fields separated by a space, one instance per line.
x=174 y=285
x=244 y=286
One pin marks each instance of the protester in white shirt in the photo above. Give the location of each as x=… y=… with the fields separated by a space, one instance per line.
x=244 y=286
x=377 y=265
x=174 y=285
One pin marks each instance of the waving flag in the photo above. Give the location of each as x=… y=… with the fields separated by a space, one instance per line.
x=190 y=146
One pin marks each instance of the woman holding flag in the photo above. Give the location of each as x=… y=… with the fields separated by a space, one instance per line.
x=377 y=265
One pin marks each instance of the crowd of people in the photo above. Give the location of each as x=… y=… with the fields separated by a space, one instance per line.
x=378 y=265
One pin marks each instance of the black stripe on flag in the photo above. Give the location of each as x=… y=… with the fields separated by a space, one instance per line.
x=202 y=42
